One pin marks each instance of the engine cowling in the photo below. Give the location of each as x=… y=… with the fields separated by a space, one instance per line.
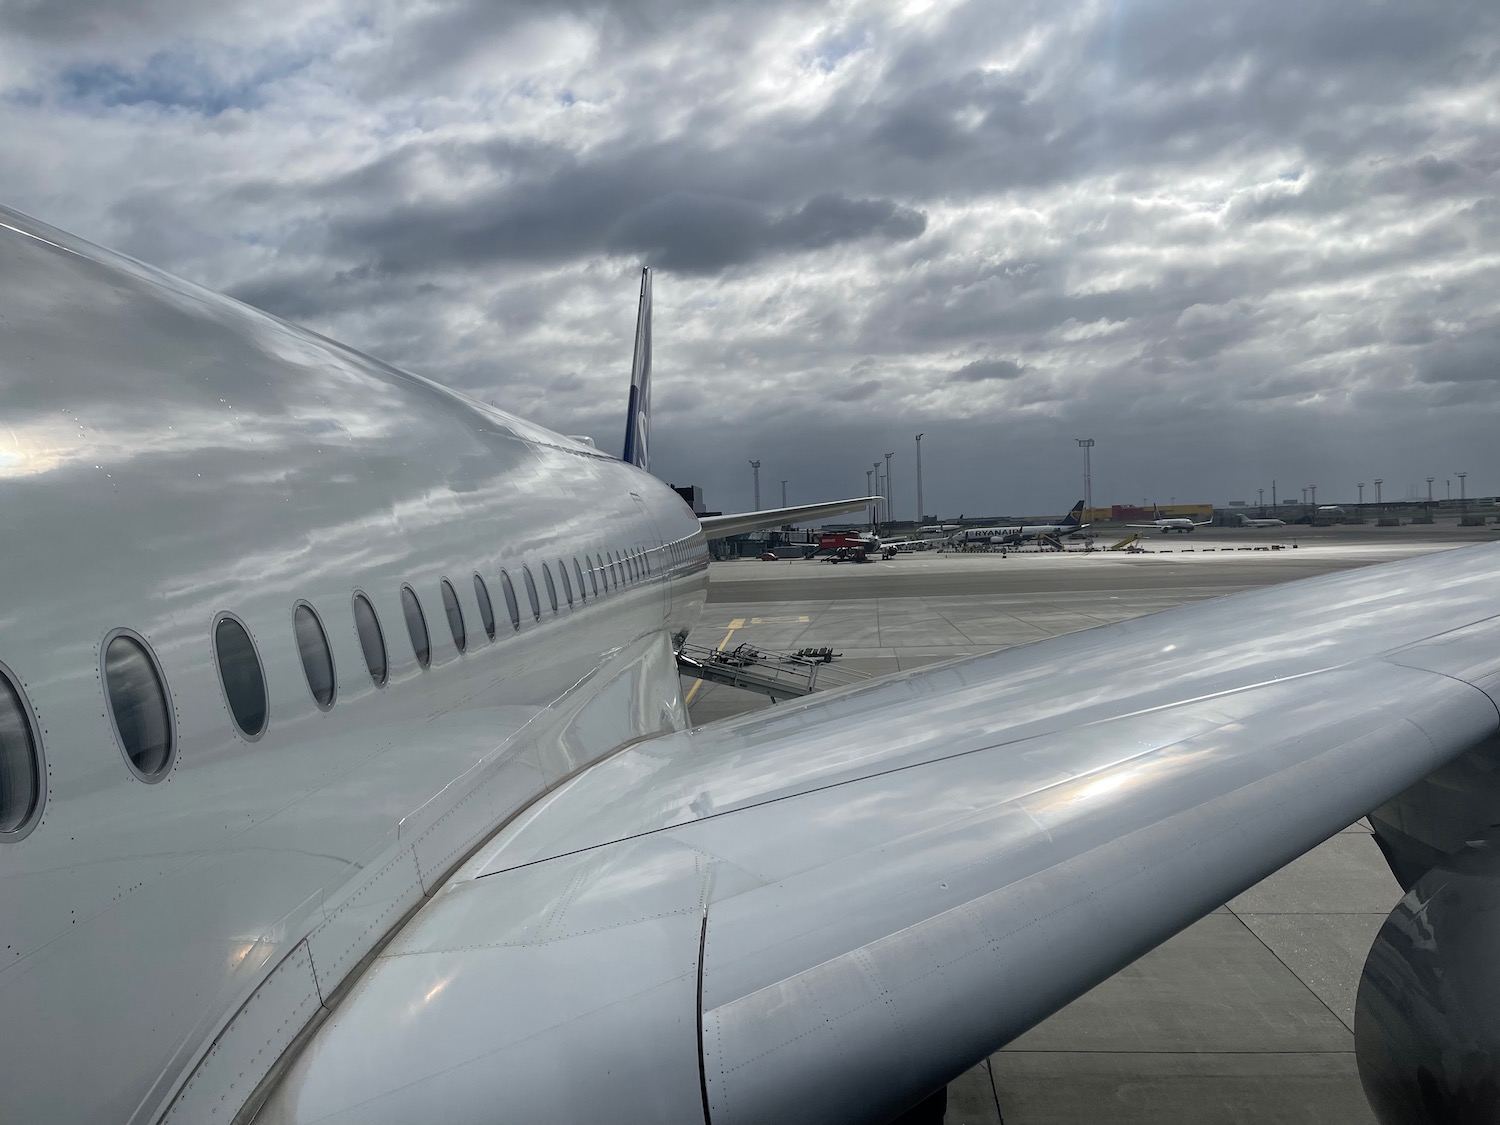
x=1427 y=1017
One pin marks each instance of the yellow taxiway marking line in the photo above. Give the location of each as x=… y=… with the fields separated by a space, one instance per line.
x=737 y=623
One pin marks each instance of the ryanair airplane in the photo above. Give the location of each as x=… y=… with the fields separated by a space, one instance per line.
x=345 y=775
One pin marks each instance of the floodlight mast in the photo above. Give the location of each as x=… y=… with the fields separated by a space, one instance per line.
x=888 y=515
x=1087 y=443
x=755 y=466
x=921 y=512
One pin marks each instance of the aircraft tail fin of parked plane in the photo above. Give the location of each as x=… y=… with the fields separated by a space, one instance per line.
x=637 y=449
x=1074 y=518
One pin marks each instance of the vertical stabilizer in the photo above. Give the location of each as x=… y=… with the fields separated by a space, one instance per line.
x=1074 y=518
x=638 y=417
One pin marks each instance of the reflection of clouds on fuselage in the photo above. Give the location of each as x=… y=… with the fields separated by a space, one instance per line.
x=185 y=445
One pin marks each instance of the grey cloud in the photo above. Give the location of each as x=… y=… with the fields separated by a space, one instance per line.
x=621 y=210
x=1472 y=356
x=830 y=219
x=986 y=370
x=692 y=233
x=88 y=20
x=855 y=392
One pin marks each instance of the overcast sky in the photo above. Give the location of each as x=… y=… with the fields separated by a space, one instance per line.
x=1232 y=241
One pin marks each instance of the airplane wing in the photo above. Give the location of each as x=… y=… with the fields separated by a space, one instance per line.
x=716 y=527
x=827 y=910
x=1151 y=525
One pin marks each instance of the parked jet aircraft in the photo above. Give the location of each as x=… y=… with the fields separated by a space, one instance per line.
x=1165 y=524
x=345 y=775
x=1069 y=525
x=1251 y=521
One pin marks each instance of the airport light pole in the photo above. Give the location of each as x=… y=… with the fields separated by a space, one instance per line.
x=755 y=465
x=1448 y=484
x=1273 y=492
x=1361 y=487
x=870 y=491
x=1260 y=501
x=888 y=512
x=1429 y=491
x=920 y=511
x=879 y=491
x=1378 y=483
x=1463 y=496
x=1087 y=445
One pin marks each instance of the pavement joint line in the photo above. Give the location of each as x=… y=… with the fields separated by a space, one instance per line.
x=1282 y=962
x=989 y=1073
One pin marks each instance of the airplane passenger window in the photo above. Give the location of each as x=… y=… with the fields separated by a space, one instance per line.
x=583 y=593
x=371 y=639
x=240 y=675
x=20 y=762
x=562 y=572
x=486 y=610
x=317 y=657
x=551 y=586
x=416 y=626
x=455 y=615
x=138 y=705
x=536 y=603
x=510 y=600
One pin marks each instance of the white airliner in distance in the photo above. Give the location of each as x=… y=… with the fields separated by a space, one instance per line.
x=345 y=775
x=1165 y=524
x=1267 y=521
x=1071 y=524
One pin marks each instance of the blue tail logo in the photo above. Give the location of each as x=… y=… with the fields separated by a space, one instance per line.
x=638 y=414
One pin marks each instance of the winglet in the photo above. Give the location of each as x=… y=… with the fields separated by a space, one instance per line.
x=638 y=415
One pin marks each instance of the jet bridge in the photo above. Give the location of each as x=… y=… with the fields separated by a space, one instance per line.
x=779 y=675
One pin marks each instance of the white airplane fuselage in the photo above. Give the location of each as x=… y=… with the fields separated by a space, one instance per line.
x=172 y=456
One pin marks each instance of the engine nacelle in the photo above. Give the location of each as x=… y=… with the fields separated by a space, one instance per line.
x=1427 y=1019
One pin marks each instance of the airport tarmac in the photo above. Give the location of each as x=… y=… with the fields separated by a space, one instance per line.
x=1246 y=1015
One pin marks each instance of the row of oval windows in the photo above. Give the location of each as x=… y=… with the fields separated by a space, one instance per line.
x=142 y=711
